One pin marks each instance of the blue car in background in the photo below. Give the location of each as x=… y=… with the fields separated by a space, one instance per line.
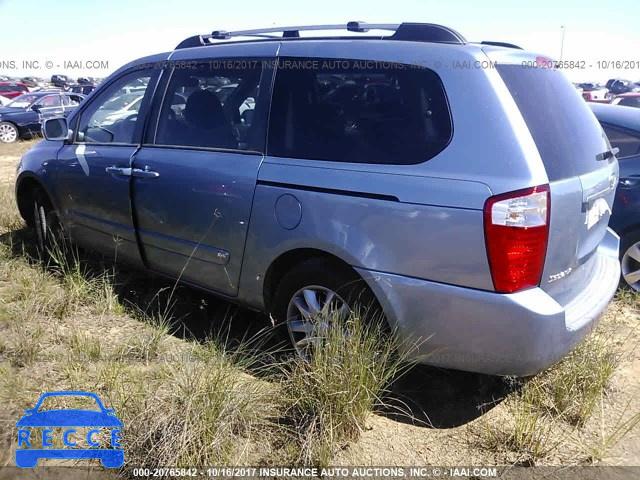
x=102 y=418
x=22 y=118
x=622 y=126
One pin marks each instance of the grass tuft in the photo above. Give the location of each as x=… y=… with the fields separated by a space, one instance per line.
x=82 y=345
x=197 y=413
x=573 y=387
x=330 y=397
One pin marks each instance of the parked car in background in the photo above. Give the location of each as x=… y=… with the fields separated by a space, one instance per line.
x=13 y=89
x=622 y=126
x=627 y=100
x=121 y=107
x=33 y=82
x=502 y=266
x=84 y=89
x=593 y=92
x=61 y=81
x=22 y=118
x=617 y=86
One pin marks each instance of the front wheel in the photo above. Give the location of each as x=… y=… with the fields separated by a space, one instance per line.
x=47 y=228
x=8 y=132
x=315 y=293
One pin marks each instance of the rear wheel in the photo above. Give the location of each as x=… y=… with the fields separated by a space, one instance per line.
x=8 y=132
x=630 y=260
x=315 y=293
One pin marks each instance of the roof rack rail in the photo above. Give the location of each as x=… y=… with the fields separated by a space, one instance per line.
x=500 y=44
x=415 y=32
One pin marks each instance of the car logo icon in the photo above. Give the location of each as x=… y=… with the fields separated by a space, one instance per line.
x=69 y=419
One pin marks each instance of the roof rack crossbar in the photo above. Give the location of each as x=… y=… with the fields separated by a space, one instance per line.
x=402 y=31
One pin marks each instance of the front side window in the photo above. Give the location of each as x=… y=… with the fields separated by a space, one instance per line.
x=50 y=101
x=210 y=107
x=628 y=143
x=357 y=111
x=112 y=116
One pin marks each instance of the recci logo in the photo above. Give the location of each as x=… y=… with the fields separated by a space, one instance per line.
x=68 y=421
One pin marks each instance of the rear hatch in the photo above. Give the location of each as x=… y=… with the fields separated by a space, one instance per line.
x=576 y=155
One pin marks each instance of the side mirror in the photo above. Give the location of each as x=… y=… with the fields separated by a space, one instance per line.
x=36 y=107
x=55 y=129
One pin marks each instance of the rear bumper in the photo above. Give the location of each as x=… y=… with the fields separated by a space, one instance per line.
x=502 y=334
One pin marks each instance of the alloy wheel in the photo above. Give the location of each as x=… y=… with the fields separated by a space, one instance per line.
x=308 y=314
x=631 y=266
x=8 y=133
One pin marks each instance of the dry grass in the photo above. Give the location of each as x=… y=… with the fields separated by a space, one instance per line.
x=555 y=408
x=18 y=148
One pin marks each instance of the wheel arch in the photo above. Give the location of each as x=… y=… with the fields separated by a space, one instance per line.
x=26 y=187
x=629 y=231
x=288 y=260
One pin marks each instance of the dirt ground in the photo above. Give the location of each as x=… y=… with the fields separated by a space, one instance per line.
x=449 y=409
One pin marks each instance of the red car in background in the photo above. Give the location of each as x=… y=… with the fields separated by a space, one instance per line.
x=13 y=89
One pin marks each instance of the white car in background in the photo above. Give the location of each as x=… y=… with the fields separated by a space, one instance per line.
x=121 y=107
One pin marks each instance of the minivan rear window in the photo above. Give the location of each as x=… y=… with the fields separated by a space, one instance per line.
x=566 y=132
x=357 y=111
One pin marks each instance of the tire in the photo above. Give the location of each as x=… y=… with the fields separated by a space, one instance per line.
x=630 y=266
x=337 y=290
x=8 y=132
x=47 y=227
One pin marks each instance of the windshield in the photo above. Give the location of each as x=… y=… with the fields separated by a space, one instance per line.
x=23 y=101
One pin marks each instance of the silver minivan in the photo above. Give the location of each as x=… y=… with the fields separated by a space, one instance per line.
x=462 y=188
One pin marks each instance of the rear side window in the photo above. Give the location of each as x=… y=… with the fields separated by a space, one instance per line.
x=627 y=142
x=566 y=132
x=357 y=111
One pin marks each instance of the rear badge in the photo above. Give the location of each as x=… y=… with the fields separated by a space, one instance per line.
x=558 y=276
x=598 y=210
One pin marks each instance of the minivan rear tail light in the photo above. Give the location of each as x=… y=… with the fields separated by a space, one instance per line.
x=516 y=228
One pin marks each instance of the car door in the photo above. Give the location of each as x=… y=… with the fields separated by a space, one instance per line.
x=70 y=102
x=628 y=143
x=200 y=162
x=49 y=106
x=94 y=169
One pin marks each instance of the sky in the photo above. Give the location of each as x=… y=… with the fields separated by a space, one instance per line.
x=81 y=38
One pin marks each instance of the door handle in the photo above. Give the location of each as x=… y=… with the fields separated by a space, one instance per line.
x=122 y=171
x=146 y=173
